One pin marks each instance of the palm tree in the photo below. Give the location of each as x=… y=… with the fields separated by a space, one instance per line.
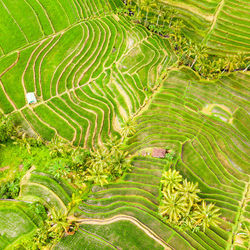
x=120 y=162
x=189 y=191
x=58 y=221
x=199 y=51
x=113 y=143
x=96 y=176
x=245 y=233
x=188 y=221
x=160 y=8
x=147 y=5
x=128 y=127
x=173 y=206
x=99 y=159
x=171 y=13
x=138 y=4
x=171 y=180
x=206 y=215
x=129 y=2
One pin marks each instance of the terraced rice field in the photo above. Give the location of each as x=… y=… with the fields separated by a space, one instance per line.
x=207 y=123
x=83 y=77
x=223 y=26
x=91 y=69
x=17 y=220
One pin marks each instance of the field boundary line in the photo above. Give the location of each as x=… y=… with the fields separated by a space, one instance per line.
x=12 y=65
x=96 y=49
x=42 y=59
x=15 y=21
x=98 y=237
x=27 y=65
x=217 y=12
x=70 y=118
x=64 y=11
x=7 y=96
x=96 y=107
x=89 y=122
x=64 y=119
x=59 y=65
x=38 y=21
x=73 y=66
x=35 y=60
x=46 y=14
x=237 y=225
x=84 y=118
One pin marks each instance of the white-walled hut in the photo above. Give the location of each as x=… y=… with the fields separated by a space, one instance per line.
x=31 y=98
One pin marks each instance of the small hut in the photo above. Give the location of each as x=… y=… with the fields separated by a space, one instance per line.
x=31 y=98
x=159 y=152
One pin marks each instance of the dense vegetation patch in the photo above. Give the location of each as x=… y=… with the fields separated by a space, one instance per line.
x=182 y=206
x=165 y=20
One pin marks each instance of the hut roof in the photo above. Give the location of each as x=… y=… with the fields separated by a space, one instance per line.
x=159 y=152
x=31 y=98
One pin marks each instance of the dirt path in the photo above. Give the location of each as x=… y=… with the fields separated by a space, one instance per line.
x=139 y=224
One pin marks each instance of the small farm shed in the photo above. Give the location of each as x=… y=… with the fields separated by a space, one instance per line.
x=31 y=98
x=159 y=152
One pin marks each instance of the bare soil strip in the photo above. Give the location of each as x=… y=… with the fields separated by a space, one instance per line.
x=139 y=224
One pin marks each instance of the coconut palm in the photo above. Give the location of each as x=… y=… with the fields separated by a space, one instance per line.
x=171 y=180
x=113 y=143
x=120 y=162
x=189 y=191
x=160 y=9
x=58 y=221
x=128 y=127
x=188 y=222
x=206 y=215
x=198 y=52
x=99 y=159
x=245 y=233
x=171 y=13
x=147 y=5
x=96 y=176
x=173 y=206
x=138 y=4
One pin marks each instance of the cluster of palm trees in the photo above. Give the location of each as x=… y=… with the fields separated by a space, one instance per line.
x=181 y=205
x=155 y=15
x=107 y=162
x=99 y=166
x=164 y=20
x=198 y=58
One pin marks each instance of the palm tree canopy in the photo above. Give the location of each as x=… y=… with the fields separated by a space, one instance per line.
x=173 y=206
x=189 y=191
x=171 y=179
x=206 y=215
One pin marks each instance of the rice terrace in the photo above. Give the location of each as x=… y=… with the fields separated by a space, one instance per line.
x=124 y=124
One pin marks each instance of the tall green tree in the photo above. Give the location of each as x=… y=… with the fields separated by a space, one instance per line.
x=174 y=206
x=189 y=191
x=147 y=5
x=171 y=180
x=206 y=215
